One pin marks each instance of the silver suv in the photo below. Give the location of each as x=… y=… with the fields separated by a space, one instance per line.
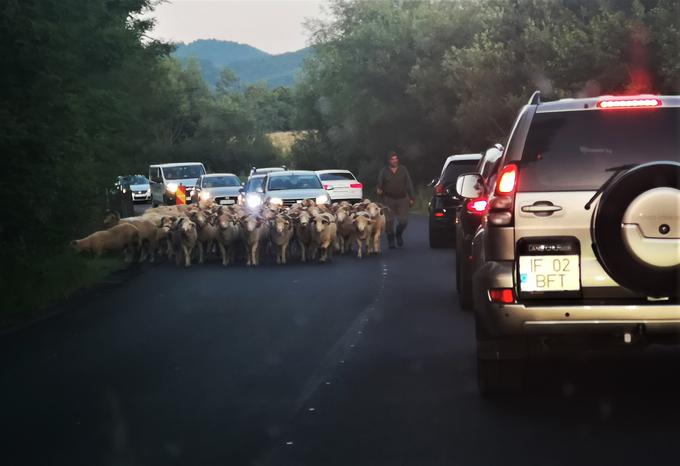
x=581 y=243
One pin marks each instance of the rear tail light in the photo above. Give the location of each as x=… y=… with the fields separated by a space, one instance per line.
x=501 y=295
x=507 y=180
x=356 y=185
x=325 y=186
x=500 y=207
x=627 y=102
x=478 y=206
x=439 y=214
x=439 y=189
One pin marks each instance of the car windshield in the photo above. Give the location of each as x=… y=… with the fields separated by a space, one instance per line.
x=137 y=179
x=221 y=181
x=457 y=168
x=572 y=150
x=183 y=172
x=254 y=183
x=282 y=182
x=337 y=176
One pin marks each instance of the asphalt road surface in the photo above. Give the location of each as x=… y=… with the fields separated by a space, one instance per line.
x=358 y=362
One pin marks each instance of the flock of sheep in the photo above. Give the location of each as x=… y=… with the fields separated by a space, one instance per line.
x=185 y=232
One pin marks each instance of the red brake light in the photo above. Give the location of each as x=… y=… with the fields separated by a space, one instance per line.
x=507 y=180
x=502 y=295
x=478 y=206
x=638 y=102
x=356 y=185
x=325 y=186
x=440 y=189
x=439 y=214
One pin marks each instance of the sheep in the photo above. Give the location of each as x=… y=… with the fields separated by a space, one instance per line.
x=148 y=232
x=324 y=231
x=346 y=233
x=303 y=233
x=183 y=237
x=281 y=234
x=227 y=235
x=123 y=237
x=206 y=232
x=163 y=237
x=252 y=229
x=377 y=215
x=363 y=224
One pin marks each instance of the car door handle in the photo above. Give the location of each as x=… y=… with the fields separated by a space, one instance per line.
x=541 y=207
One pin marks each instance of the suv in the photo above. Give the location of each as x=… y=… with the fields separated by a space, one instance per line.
x=581 y=242
x=468 y=220
x=445 y=202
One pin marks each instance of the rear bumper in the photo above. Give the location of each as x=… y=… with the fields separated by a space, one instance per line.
x=525 y=319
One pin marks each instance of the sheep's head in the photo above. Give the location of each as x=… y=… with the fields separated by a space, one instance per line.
x=281 y=223
x=342 y=214
x=373 y=209
x=251 y=223
x=304 y=218
x=321 y=222
x=199 y=218
x=76 y=245
x=362 y=220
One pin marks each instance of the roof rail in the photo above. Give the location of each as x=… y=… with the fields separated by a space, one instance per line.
x=535 y=98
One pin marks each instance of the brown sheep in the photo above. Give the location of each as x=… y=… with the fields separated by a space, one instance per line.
x=207 y=233
x=303 y=233
x=183 y=237
x=324 y=231
x=281 y=234
x=148 y=232
x=252 y=229
x=363 y=224
x=123 y=237
x=227 y=236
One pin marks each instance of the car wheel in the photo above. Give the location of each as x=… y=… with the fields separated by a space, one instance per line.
x=636 y=227
x=437 y=239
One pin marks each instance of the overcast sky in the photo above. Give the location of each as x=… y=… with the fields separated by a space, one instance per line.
x=275 y=26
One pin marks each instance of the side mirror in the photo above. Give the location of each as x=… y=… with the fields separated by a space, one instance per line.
x=329 y=188
x=470 y=185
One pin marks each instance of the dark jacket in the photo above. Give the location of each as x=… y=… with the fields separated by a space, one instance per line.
x=396 y=185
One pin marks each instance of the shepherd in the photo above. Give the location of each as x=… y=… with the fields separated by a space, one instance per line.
x=396 y=189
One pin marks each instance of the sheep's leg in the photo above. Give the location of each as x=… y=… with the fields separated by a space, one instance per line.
x=359 y=248
x=223 y=253
x=303 y=251
x=249 y=255
x=376 y=243
x=201 y=252
x=256 y=250
x=187 y=255
x=284 y=252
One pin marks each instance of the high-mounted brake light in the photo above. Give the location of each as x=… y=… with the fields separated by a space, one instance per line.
x=356 y=185
x=478 y=206
x=507 y=180
x=629 y=103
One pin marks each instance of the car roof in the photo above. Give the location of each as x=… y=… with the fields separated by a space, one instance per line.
x=176 y=164
x=208 y=175
x=291 y=172
x=590 y=103
x=458 y=157
x=341 y=170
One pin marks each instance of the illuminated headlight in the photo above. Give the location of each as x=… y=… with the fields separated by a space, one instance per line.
x=253 y=201
x=172 y=188
x=276 y=201
x=322 y=199
x=204 y=195
x=124 y=190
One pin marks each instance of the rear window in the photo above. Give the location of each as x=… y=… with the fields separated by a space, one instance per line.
x=457 y=168
x=183 y=172
x=337 y=176
x=571 y=151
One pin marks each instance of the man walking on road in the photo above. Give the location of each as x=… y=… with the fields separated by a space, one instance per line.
x=396 y=189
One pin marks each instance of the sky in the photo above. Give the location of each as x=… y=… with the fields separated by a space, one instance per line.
x=275 y=26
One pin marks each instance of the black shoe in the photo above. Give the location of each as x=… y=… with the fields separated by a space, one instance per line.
x=400 y=241
x=390 y=241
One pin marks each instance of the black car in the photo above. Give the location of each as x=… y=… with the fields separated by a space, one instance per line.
x=445 y=202
x=468 y=219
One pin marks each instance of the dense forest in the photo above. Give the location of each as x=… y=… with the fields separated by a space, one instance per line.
x=86 y=94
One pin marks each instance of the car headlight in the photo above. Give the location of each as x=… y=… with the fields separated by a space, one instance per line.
x=172 y=188
x=253 y=201
x=276 y=201
x=322 y=199
x=124 y=190
x=204 y=195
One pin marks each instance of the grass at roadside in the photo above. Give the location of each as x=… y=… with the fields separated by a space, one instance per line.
x=28 y=291
x=423 y=196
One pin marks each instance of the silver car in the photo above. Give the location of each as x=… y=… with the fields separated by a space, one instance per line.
x=288 y=187
x=581 y=242
x=221 y=188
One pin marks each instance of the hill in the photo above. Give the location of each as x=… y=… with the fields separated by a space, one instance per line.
x=250 y=64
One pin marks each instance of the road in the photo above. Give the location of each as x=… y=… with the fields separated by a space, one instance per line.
x=358 y=362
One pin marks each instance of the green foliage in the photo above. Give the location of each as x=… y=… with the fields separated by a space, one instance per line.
x=434 y=78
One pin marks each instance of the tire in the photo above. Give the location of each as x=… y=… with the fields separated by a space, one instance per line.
x=500 y=376
x=608 y=238
x=437 y=239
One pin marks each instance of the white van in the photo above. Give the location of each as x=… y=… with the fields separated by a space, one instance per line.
x=167 y=177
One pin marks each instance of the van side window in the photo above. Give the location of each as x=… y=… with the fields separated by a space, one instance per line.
x=154 y=175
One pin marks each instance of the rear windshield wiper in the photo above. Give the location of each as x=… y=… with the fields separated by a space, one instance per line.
x=605 y=185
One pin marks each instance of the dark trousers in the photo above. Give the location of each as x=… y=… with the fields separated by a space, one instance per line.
x=398 y=217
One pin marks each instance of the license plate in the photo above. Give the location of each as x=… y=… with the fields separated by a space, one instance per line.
x=549 y=273
x=227 y=201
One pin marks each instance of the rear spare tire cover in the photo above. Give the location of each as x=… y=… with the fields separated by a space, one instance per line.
x=636 y=230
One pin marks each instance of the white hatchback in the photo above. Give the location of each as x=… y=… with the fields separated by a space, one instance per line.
x=344 y=185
